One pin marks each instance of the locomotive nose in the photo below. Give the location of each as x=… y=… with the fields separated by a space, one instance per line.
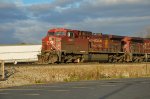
x=55 y=43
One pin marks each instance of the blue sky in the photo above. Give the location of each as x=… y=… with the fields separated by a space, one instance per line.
x=28 y=21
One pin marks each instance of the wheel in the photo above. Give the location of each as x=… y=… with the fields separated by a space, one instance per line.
x=82 y=59
x=110 y=59
x=114 y=60
x=53 y=58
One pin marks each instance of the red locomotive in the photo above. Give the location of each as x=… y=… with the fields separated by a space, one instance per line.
x=66 y=45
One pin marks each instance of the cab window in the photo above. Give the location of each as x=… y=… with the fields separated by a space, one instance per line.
x=59 y=33
x=50 y=33
x=70 y=34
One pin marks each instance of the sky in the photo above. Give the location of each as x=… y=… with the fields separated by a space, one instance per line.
x=27 y=21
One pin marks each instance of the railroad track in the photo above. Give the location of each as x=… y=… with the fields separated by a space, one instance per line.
x=75 y=64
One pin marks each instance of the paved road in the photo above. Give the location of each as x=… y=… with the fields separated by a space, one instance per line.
x=104 y=89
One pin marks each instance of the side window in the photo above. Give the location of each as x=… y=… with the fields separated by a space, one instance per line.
x=70 y=34
x=90 y=44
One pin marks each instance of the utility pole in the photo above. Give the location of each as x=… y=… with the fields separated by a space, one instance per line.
x=146 y=56
x=2 y=70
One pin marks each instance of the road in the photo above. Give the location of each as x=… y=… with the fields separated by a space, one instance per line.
x=102 y=89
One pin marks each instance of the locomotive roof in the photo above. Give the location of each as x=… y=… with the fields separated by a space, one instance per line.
x=54 y=29
x=137 y=39
x=115 y=37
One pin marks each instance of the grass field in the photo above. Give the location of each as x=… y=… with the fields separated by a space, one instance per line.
x=51 y=74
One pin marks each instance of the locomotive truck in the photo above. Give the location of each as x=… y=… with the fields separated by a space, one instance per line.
x=62 y=45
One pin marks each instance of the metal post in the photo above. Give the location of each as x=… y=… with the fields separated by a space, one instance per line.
x=146 y=56
x=2 y=69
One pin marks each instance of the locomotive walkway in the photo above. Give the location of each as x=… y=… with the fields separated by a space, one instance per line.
x=104 y=89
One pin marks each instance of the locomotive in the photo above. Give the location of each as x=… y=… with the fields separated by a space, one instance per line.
x=62 y=45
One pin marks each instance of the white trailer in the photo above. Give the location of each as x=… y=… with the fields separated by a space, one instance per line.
x=20 y=53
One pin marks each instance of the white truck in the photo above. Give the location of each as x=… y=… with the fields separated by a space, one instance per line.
x=20 y=53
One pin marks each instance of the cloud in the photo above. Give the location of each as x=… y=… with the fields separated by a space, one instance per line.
x=30 y=31
x=118 y=26
x=117 y=2
x=87 y=9
x=7 y=34
x=145 y=32
x=9 y=12
x=29 y=22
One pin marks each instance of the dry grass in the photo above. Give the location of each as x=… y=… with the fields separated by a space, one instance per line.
x=49 y=74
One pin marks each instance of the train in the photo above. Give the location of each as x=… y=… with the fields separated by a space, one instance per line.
x=62 y=45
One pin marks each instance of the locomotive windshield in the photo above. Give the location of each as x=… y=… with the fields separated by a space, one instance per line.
x=59 y=33
x=50 y=33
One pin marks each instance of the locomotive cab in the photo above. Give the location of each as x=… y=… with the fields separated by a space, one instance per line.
x=63 y=45
x=57 y=32
x=52 y=41
x=51 y=46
